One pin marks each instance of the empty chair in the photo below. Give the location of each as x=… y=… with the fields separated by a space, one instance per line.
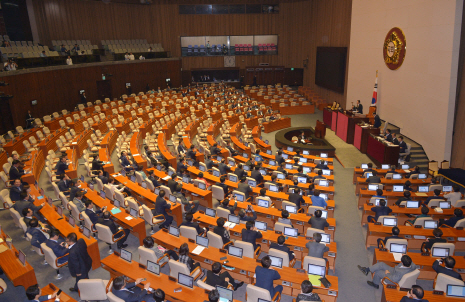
x=395 y=241
x=93 y=289
x=178 y=267
x=247 y=249
x=407 y=281
x=216 y=241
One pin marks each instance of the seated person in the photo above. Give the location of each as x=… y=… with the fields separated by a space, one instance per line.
x=318 y=201
x=73 y=190
x=415 y=294
x=103 y=178
x=296 y=198
x=130 y=291
x=448 y=269
x=159 y=295
x=140 y=169
x=153 y=179
x=239 y=171
x=316 y=248
x=64 y=184
x=415 y=171
x=406 y=197
x=317 y=222
x=244 y=187
x=188 y=223
x=125 y=162
x=79 y=201
x=301 y=174
x=223 y=185
x=455 y=196
x=181 y=165
x=392 y=169
x=244 y=217
x=59 y=247
x=34 y=292
x=282 y=170
x=251 y=234
x=381 y=210
x=105 y=220
x=38 y=236
x=215 y=277
x=382 y=270
x=172 y=183
x=458 y=215
x=306 y=293
x=322 y=165
x=191 y=206
x=374 y=179
x=200 y=177
x=319 y=176
x=437 y=233
x=160 y=252
x=222 y=231
x=395 y=235
x=424 y=213
x=225 y=205
x=91 y=213
x=408 y=186
x=436 y=195
x=282 y=247
x=184 y=257
x=265 y=277
x=369 y=169
x=255 y=174
x=161 y=206
x=213 y=296
x=379 y=193
x=285 y=218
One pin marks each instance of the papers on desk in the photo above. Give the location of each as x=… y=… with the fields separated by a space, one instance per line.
x=116 y=175
x=421 y=194
x=74 y=143
x=115 y=211
x=397 y=256
x=288 y=160
x=129 y=218
x=135 y=155
x=108 y=162
x=438 y=210
x=406 y=171
x=40 y=197
x=198 y=250
x=166 y=177
x=419 y=237
x=3 y=248
x=229 y=224
x=315 y=279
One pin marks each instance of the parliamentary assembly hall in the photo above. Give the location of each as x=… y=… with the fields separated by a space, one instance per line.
x=226 y=151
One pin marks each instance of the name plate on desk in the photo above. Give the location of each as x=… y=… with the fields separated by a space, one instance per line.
x=116 y=254
x=172 y=279
x=379 y=223
x=383 y=249
x=300 y=223
x=142 y=266
x=404 y=289
x=331 y=228
x=278 y=232
x=223 y=251
x=408 y=236
x=301 y=271
x=331 y=254
x=402 y=206
x=425 y=254
x=237 y=234
x=286 y=283
x=332 y=293
x=438 y=292
x=391 y=286
x=418 y=226
x=268 y=216
x=191 y=240
x=459 y=228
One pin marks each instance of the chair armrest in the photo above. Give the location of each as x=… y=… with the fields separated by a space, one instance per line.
x=277 y=297
x=113 y=237
x=257 y=252
x=408 y=223
x=293 y=261
x=63 y=264
x=6 y=205
x=372 y=219
x=107 y=289
x=194 y=271
x=159 y=259
x=300 y=210
x=226 y=244
x=382 y=243
x=382 y=281
x=446 y=226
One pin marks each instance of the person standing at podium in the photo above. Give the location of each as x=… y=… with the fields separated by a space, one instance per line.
x=358 y=108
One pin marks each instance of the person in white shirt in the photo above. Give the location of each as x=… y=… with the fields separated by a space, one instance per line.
x=141 y=57
x=126 y=56
x=10 y=65
x=131 y=57
x=455 y=196
x=150 y=49
x=69 y=61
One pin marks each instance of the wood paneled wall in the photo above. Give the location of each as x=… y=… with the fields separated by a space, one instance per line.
x=58 y=89
x=301 y=26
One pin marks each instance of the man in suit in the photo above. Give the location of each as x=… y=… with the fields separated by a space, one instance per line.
x=153 y=179
x=315 y=248
x=395 y=273
x=27 y=216
x=14 y=171
x=38 y=237
x=279 y=158
x=215 y=150
x=395 y=235
x=97 y=164
x=406 y=197
x=225 y=205
x=296 y=198
x=79 y=261
x=15 y=190
x=63 y=184
x=59 y=248
x=191 y=152
x=181 y=166
x=415 y=294
x=152 y=159
x=188 y=223
x=428 y=244
x=172 y=183
x=402 y=145
x=105 y=220
x=282 y=247
x=301 y=174
x=285 y=218
x=265 y=277
x=214 y=277
x=209 y=162
x=191 y=206
x=374 y=179
x=448 y=268
x=317 y=222
x=24 y=203
x=73 y=190
x=388 y=136
x=239 y=171
x=34 y=292
x=318 y=201
x=125 y=162
x=358 y=108
x=102 y=177
x=61 y=166
x=160 y=208
x=223 y=185
x=395 y=141
x=243 y=215
x=250 y=234
x=129 y=292
x=381 y=210
x=244 y=188
x=93 y=215
x=257 y=175
x=282 y=170
x=79 y=201
x=181 y=148
x=223 y=167
x=319 y=175
x=221 y=230
x=377 y=122
x=458 y=215
x=322 y=165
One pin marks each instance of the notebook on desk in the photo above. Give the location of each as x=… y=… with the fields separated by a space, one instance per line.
x=421 y=194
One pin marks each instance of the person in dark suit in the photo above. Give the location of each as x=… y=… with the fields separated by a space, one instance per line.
x=402 y=145
x=317 y=222
x=257 y=175
x=377 y=122
x=374 y=179
x=160 y=208
x=221 y=230
x=172 y=183
x=33 y=293
x=381 y=210
x=282 y=170
x=58 y=247
x=428 y=244
x=265 y=277
x=24 y=203
x=63 y=184
x=61 y=166
x=388 y=135
x=223 y=167
x=282 y=247
x=27 y=216
x=153 y=179
x=239 y=171
x=188 y=223
x=93 y=215
x=296 y=198
x=315 y=248
x=225 y=205
x=395 y=141
x=191 y=152
x=209 y=162
x=358 y=108
x=79 y=261
x=321 y=165
x=223 y=185
x=14 y=172
x=406 y=197
x=285 y=218
x=215 y=150
x=244 y=188
x=191 y=206
x=36 y=232
x=319 y=175
x=181 y=166
x=415 y=294
x=243 y=215
x=97 y=164
x=395 y=235
x=279 y=157
x=103 y=178
x=458 y=215
x=125 y=162
x=448 y=268
x=250 y=234
x=130 y=292
x=214 y=277
x=15 y=190
x=152 y=159
x=181 y=148
x=73 y=190
x=105 y=220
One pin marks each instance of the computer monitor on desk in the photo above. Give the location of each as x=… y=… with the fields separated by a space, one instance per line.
x=144 y=185
x=389 y=221
x=291 y=232
x=22 y=257
x=440 y=252
x=185 y=280
x=324 y=155
x=325 y=238
x=216 y=173
x=202 y=185
x=153 y=267
x=233 y=218
x=252 y=183
x=133 y=178
x=239 y=197
x=203 y=241
x=302 y=180
x=385 y=167
x=235 y=251
x=398 y=248
x=273 y=188
x=173 y=231
x=126 y=255
x=172 y=198
x=226 y=295
x=102 y=194
x=364 y=166
x=276 y=261
x=316 y=270
x=397 y=188
x=291 y=209
x=264 y=203
x=430 y=224
x=396 y=176
x=412 y=204
x=372 y=187
x=210 y=212
x=455 y=291
x=423 y=189
x=260 y=225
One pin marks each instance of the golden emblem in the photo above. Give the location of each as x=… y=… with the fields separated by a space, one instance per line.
x=394 y=48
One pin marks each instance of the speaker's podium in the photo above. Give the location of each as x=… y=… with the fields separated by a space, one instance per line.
x=346 y=122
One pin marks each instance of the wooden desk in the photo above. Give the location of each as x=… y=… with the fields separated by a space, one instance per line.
x=47 y=290
x=49 y=143
x=247 y=266
x=277 y=124
x=391 y=197
x=381 y=153
x=334 y=116
x=346 y=126
x=389 y=183
x=358 y=172
x=164 y=150
x=395 y=295
x=290 y=110
x=17 y=143
x=361 y=137
x=18 y=274
x=134 y=147
x=327 y=116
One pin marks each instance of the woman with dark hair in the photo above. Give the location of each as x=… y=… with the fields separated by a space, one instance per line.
x=184 y=257
x=159 y=250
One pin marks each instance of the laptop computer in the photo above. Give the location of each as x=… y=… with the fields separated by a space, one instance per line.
x=412 y=204
x=454 y=291
x=276 y=261
x=388 y=221
x=264 y=203
x=226 y=295
x=235 y=251
x=210 y=212
x=260 y=225
x=430 y=224
x=291 y=232
x=440 y=252
x=398 y=248
x=291 y=209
